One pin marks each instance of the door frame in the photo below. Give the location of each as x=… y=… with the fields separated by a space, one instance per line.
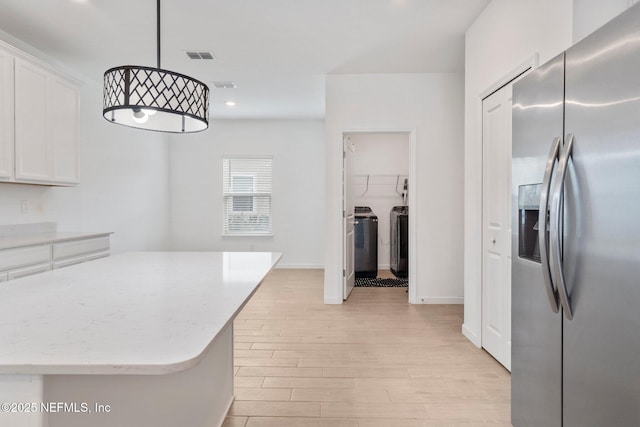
x=348 y=254
x=414 y=187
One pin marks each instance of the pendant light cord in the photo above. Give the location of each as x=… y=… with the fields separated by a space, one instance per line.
x=158 y=31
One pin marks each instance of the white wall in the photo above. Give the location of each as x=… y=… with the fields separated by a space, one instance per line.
x=123 y=181
x=589 y=15
x=432 y=106
x=298 y=187
x=382 y=157
x=506 y=34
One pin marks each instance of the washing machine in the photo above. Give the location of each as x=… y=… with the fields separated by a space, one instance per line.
x=399 y=226
x=366 y=242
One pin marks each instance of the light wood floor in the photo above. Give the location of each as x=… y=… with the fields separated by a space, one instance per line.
x=386 y=274
x=374 y=361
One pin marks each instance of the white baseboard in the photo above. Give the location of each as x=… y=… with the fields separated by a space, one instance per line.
x=440 y=300
x=471 y=336
x=300 y=266
x=332 y=300
x=318 y=266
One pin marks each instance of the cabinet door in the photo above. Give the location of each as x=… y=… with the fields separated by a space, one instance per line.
x=11 y=259
x=28 y=271
x=31 y=122
x=82 y=247
x=6 y=115
x=64 y=139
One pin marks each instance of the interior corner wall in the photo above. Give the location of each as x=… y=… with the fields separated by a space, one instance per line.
x=124 y=186
x=505 y=34
x=298 y=188
x=432 y=106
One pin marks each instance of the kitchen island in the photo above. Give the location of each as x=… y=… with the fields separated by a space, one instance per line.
x=136 y=339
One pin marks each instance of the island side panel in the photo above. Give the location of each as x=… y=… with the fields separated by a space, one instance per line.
x=20 y=397
x=197 y=397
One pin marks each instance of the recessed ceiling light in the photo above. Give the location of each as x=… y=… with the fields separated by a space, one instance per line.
x=230 y=103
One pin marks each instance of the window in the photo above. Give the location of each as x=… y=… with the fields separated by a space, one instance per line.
x=247 y=196
x=242 y=184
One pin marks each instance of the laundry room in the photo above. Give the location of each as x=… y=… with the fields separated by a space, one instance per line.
x=379 y=183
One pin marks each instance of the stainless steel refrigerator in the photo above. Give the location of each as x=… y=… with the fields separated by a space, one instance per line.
x=576 y=234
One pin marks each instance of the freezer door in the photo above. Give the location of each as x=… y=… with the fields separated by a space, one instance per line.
x=602 y=227
x=536 y=366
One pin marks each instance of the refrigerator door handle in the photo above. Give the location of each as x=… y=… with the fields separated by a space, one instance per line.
x=543 y=221
x=555 y=237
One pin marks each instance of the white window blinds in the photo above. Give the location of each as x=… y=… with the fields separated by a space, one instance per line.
x=246 y=185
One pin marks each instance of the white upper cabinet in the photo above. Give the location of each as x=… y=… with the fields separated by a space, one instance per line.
x=64 y=131
x=6 y=115
x=32 y=122
x=46 y=119
x=43 y=120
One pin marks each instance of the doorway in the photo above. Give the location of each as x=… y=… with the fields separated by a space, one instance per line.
x=376 y=193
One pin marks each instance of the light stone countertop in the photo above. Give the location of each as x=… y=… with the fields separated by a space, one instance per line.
x=132 y=313
x=13 y=242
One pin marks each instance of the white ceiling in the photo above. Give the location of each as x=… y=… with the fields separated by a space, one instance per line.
x=277 y=51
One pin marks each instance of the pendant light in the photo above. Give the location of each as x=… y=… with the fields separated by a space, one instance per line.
x=155 y=99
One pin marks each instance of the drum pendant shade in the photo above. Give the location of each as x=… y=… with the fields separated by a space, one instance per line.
x=154 y=98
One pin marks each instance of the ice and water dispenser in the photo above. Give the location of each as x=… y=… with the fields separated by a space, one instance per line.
x=528 y=211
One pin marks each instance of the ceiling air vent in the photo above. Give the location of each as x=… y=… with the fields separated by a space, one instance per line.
x=224 y=85
x=200 y=55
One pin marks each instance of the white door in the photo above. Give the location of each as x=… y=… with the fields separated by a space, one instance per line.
x=348 y=220
x=496 y=227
